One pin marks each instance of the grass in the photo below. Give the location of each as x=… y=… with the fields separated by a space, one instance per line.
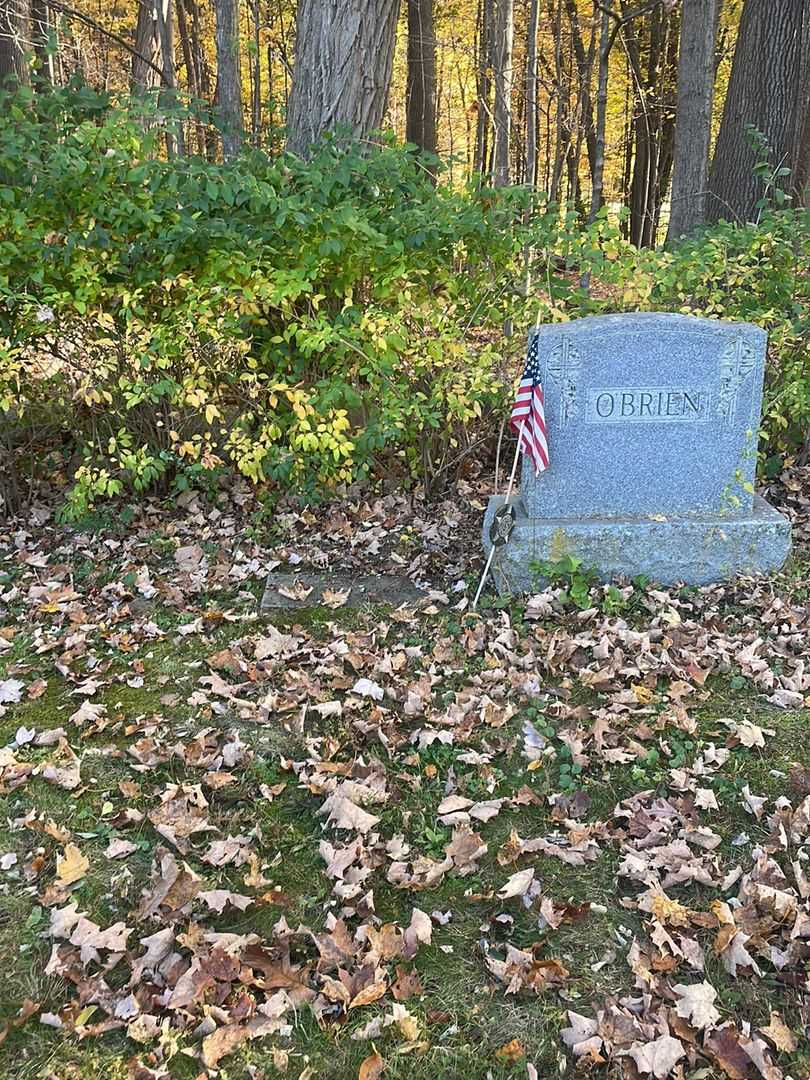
x=464 y=1017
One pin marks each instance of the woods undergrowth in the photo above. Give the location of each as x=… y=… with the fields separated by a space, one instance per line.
x=166 y=322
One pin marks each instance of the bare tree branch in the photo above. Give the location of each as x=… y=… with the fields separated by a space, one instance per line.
x=73 y=14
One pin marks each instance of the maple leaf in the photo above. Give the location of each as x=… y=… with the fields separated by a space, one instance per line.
x=88 y=713
x=780 y=1034
x=225 y=1039
x=335 y=598
x=367 y=688
x=723 y=1045
x=407 y=984
x=582 y=1030
x=298 y=591
x=63 y=769
x=274 y=644
x=754 y=804
x=218 y=899
x=512 y=1051
x=371 y=1067
x=11 y=691
x=419 y=932
x=71 y=866
x=518 y=884
x=659 y=1057
x=172 y=887
x=119 y=849
x=344 y=814
x=696 y=1004
x=534 y=744
x=465 y=849
x=189 y=558
x=371 y=993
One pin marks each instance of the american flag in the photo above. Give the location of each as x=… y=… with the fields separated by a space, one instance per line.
x=528 y=419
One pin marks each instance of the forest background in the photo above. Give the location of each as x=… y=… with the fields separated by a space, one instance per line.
x=205 y=267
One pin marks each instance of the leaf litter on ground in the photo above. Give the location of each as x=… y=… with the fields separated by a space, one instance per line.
x=363 y=706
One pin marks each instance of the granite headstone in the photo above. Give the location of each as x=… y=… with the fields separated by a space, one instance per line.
x=652 y=426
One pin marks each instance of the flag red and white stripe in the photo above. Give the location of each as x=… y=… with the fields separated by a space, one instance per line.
x=528 y=419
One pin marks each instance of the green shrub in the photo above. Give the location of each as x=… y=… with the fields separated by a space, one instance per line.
x=303 y=323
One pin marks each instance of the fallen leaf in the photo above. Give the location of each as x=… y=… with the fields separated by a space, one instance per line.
x=518 y=884
x=335 y=598
x=367 y=688
x=512 y=1051
x=659 y=1057
x=299 y=591
x=696 y=1004
x=71 y=866
x=780 y=1034
x=371 y=1067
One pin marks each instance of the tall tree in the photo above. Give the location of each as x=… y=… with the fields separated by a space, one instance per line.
x=503 y=39
x=344 y=53
x=175 y=142
x=693 y=117
x=483 y=39
x=531 y=92
x=606 y=39
x=801 y=153
x=584 y=59
x=229 y=81
x=763 y=92
x=147 y=50
x=652 y=53
x=41 y=36
x=420 y=90
x=14 y=41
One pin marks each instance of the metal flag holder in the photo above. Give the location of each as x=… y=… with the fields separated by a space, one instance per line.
x=503 y=521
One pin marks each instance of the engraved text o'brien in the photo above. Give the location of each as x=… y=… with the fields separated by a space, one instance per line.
x=623 y=404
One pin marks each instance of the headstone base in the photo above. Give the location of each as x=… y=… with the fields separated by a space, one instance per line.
x=696 y=549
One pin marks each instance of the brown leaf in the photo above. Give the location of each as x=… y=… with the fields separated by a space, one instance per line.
x=407 y=984
x=465 y=849
x=71 y=866
x=63 y=768
x=512 y=1051
x=659 y=1057
x=372 y=1067
x=780 y=1034
x=335 y=598
x=373 y=992
x=723 y=1047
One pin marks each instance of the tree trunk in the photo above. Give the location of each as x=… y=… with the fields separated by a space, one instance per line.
x=256 y=82
x=763 y=92
x=584 y=58
x=229 y=83
x=168 y=89
x=344 y=53
x=14 y=41
x=801 y=153
x=693 y=117
x=41 y=32
x=598 y=173
x=503 y=38
x=420 y=93
x=143 y=77
x=531 y=92
x=484 y=85
x=801 y=172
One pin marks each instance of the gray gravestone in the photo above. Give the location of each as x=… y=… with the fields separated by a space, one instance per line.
x=652 y=426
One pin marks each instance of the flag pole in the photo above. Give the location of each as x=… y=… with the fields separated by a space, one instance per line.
x=491 y=555
x=512 y=475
